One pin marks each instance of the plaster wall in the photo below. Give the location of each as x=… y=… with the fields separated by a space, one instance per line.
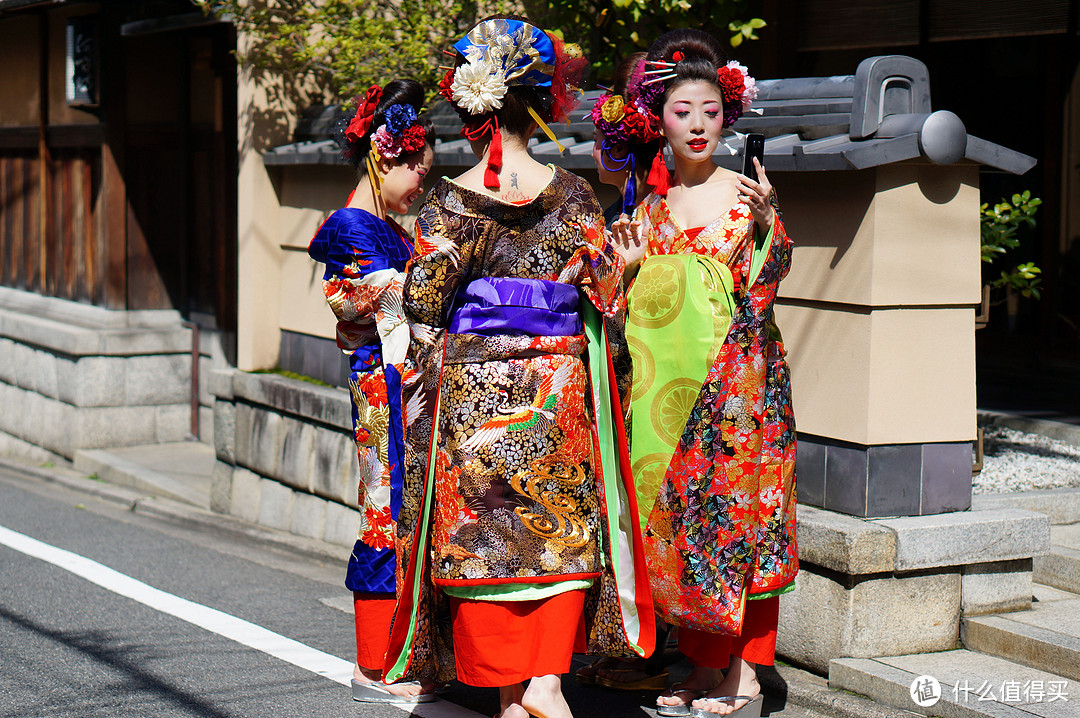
x=898 y=235
x=258 y=235
x=889 y=376
x=877 y=312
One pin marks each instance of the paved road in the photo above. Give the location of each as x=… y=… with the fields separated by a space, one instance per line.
x=72 y=647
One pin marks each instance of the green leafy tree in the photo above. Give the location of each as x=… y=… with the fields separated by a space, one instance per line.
x=321 y=51
x=609 y=30
x=1000 y=226
x=317 y=51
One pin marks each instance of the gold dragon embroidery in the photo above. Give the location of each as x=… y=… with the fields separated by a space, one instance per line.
x=567 y=529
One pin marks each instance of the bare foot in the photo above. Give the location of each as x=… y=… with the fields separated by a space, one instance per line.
x=700 y=680
x=544 y=698
x=510 y=702
x=741 y=680
x=409 y=689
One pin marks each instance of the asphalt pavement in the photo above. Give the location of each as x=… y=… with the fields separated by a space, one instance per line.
x=99 y=643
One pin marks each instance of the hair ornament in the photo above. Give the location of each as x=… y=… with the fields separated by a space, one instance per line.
x=625 y=121
x=662 y=78
x=738 y=90
x=499 y=54
x=678 y=56
x=365 y=113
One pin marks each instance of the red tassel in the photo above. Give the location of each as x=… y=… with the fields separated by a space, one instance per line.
x=494 y=164
x=658 y=174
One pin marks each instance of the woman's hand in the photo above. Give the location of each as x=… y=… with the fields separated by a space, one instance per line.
x=757 y=197
x=626 y=238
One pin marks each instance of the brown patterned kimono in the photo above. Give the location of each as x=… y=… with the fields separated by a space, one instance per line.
x=516 y=467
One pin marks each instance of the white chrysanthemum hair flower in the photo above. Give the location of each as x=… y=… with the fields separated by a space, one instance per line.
x=476 y=89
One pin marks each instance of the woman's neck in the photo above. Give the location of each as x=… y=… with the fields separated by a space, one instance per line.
x=691 y=174
x=365 y=198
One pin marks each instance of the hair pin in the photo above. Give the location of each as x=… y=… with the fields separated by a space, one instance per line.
x=601 y=87
x=447 y=52
x=660 y=63
x=651 y=80
x=658 y=71
x=757 y=110
x=444 y=67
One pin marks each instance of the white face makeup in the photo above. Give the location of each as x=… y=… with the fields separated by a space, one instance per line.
x=404 y=183
x=693 y=120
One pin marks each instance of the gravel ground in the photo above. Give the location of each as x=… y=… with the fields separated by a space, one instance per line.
x=1016 y=461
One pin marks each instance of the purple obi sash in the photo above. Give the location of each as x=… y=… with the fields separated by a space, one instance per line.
x=530 y=307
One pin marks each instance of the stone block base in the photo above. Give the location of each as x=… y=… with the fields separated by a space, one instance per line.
x=870 y=588
x=241 y=493
x=76 y=377
x=887 y=480
x=286 y=455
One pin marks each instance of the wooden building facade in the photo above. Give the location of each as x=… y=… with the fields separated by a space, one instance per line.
x=118 y=156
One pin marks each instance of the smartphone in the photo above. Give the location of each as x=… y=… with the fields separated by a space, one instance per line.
x=753 y=146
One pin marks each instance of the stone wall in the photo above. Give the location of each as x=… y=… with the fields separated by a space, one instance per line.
x=286 y=458
x=74 y=376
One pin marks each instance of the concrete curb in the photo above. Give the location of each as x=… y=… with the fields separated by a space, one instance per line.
x=1062 y=506
x=177 y=512
x=810 y=691
x=123 y=472
x=1058 y=430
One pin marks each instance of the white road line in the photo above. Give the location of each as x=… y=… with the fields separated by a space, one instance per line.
x=237 y=629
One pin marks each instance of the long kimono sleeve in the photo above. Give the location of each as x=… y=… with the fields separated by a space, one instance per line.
x=361 y=285
x=599 y=269
x=431 y=281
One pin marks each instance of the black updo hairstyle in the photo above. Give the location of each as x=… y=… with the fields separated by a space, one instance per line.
x=702 y=53
x=624 y=74
x=513 y=116
x=396 y=92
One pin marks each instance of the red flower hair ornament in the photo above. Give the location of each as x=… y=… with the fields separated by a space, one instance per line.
x=365 y=113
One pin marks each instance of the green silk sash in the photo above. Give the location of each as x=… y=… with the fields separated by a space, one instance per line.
x=679 y=313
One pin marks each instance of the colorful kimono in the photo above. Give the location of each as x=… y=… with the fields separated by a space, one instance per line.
x=365 y=261
x=517 y=474
x=713 y=429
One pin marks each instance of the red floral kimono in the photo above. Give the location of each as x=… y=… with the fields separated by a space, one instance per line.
x=721 y=511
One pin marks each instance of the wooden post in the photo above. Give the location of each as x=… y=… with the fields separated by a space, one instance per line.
x=113 y=188
x=44 y=161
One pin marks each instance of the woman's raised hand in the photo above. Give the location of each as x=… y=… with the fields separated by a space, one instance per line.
x=757 y=196
x=626 y=237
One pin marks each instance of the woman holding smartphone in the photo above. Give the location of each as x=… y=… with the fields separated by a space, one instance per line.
x=713 y=447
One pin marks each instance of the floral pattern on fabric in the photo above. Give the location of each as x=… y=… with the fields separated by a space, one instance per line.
x=518 y=496
x=723 y=524
x=365 y=260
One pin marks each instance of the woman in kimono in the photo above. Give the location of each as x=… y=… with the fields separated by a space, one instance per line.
x=624 y=143
x=517 y=521
x=713 y=430
x=365 y=253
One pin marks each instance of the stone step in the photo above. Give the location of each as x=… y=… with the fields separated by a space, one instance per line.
x=1045 y=638
x=1061 y=567
x=969 y=684
x=178 y=470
